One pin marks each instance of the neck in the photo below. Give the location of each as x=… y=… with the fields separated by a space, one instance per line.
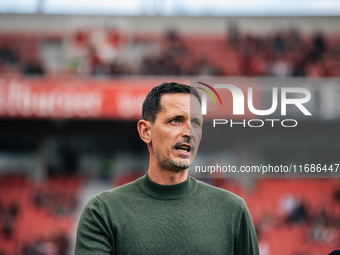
x=167 y=177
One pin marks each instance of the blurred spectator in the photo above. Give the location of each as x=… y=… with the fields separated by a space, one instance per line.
x=205 y=68
x=299 y=65
x=288 y=204
x=264 y=248
x=337 y=195
x=294 y=210
x=55 y=245
x=233 y=34
x=281 y=68
x=55 y=201
x=319 y=46
x=321 y=233
x=62 y=242
x=8 y=53
x=279 y=43
x=299 y=214
x=8 y=220
x=45 y=247
x=33 y=67
x=266 y=223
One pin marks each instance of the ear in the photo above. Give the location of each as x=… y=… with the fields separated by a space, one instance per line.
x=144 y=130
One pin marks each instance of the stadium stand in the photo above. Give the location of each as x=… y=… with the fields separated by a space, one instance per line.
x=281 y=54
x=37 y=218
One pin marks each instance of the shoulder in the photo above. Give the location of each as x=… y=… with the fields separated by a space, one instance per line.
x=115 y=196
x=222 y=202
x=220 y=195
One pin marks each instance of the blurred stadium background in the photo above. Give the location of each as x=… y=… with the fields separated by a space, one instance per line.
x=73 y=77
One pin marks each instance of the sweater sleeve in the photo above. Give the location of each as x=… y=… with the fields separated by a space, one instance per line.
x=246 y=240
x=93 y=235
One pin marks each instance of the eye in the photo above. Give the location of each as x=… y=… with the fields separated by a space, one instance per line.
x=196 y=123
x=175 y=121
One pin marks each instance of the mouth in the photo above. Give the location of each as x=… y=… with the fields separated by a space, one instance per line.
x=183 y=148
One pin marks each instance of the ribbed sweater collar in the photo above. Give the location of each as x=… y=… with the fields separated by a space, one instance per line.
x=166 y=192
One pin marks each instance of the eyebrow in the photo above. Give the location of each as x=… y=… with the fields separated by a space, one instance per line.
x=197 y=119
x=171 y=116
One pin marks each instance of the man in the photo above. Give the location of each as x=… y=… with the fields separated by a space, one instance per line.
x=166 y=211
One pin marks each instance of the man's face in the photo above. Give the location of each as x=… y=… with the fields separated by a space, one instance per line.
x=177 y=131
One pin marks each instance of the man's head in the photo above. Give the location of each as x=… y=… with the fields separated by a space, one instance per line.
x=152 y=105
x=171 y=126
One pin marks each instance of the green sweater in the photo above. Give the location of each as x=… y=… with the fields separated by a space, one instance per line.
x=144 y=217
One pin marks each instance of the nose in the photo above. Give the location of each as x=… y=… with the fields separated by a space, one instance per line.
x=186 y=129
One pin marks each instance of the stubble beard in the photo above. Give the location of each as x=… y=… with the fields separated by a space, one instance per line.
x=172 y=164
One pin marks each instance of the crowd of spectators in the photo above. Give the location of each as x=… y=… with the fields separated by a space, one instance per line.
x=285 y=53
x=101 y=53
x=36 y=217
x=321 y=224
x=55 y=202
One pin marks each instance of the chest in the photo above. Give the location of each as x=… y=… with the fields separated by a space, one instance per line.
x=174 y=227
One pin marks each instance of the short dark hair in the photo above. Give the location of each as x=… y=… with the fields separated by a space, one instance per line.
x=152 y=106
